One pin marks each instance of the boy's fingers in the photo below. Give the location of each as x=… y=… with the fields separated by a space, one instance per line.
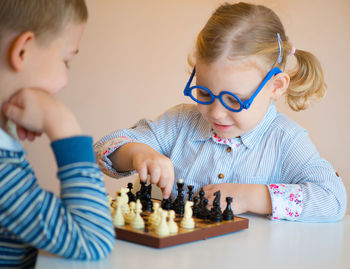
x=13 y=112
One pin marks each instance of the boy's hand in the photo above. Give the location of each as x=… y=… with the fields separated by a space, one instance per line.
x=35 y=111
x=253 y=198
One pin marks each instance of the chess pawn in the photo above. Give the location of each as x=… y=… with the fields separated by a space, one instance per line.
x=187 y=221
x=163 y=229
x=173 y=229
x=131 y=215
x=118 y=219
x=153 y=214
x=130 y=194
x=156 y=219
x=137 y=222
x=228 y=213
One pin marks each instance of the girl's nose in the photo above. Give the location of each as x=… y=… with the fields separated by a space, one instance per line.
x=217 y=110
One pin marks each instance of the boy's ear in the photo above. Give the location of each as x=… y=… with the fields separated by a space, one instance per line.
x=18 y=50
x=280 y=85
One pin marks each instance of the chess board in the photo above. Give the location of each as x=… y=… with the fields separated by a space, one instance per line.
x=203 y=229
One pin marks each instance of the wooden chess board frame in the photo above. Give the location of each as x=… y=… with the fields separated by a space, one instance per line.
x=203 y=229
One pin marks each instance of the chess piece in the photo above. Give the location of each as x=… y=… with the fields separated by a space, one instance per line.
x=195 y=207
x=201 y=197
x=190 y=192
x=131 y=215
x=147 y=204
x=179 y=203
x=153 y=214
x=187 y=221
x=118 y=219
x=138 y=222
x=163 y=229
x=203 y=212
x=124 y=200
x=215 y=213
x=173 y=228
x=132 y=197
x=167 y=204
x=228 y=213
x=156 y=219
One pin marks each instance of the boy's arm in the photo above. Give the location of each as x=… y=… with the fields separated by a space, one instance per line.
x=76 y=226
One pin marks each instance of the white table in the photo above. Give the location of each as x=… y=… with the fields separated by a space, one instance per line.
x=265 y=244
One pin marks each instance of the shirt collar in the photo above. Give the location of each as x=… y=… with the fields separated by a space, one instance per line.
x=249 y=139
x=7 y=142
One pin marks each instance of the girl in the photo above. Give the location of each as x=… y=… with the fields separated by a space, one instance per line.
x=234 y=140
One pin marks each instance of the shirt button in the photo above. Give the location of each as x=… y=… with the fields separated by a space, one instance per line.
x=228 y=149
x=221 y=176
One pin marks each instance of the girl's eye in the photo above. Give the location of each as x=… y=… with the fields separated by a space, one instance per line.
x=232 y=100
x=202 y=93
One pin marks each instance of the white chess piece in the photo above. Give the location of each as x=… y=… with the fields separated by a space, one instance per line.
x=187 y=221
x=131 y=215
x=173 y=229
x=138 y=222
x=124 y=199
x=118 y=219
x=153 y=214
x=163 y=229
x=156 y=219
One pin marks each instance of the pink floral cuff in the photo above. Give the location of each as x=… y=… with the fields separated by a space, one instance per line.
x=287 y=201
x=103 y=151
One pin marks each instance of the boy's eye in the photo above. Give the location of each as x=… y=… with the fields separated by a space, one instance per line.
x=67 y=64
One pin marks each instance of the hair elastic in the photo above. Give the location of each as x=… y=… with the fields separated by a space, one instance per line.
x=292 y=51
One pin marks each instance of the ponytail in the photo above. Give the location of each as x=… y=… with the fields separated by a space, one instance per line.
x=306 y=81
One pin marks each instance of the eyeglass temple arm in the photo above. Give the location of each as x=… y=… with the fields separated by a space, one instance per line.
x=186 y=90
x=274 y=71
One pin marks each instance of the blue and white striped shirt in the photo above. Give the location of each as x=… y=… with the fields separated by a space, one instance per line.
x=77 y=225
x=277 y=153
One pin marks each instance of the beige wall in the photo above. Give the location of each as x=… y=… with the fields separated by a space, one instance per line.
x=132 y=64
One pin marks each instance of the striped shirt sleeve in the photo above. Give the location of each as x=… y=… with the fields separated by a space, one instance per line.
x=77 y=225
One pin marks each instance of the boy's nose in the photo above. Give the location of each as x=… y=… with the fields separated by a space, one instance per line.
x=217 y=110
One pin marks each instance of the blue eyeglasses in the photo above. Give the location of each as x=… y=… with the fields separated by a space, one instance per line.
x=228 y=99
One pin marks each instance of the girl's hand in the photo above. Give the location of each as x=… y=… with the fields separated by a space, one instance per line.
x=253 y=198
x=35 y=111
x=147 y=161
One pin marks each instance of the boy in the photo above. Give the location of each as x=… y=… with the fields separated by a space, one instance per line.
x=37 y=40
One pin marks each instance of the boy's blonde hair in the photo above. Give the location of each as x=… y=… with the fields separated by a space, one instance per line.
x=45 y=18
x=240 y=30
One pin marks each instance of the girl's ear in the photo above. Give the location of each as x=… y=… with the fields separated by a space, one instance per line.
x=18 y=50
x=280 y=85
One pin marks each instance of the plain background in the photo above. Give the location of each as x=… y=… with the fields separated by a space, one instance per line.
x=133 y=64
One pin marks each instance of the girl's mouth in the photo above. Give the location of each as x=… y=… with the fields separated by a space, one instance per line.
x=222 y=127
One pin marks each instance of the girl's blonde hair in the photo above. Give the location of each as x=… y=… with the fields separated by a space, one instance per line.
x=241 y=30
x=45 y=18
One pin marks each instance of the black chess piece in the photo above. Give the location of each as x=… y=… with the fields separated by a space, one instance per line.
x=167 y=204
x=215 y=212
x=228 y=213
x=204 y=212
x=179 y=203
x=147 y=203
x=190 y=192
x=140 y=194
x=201 y=197
x=195 y=207
x=132 y=197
